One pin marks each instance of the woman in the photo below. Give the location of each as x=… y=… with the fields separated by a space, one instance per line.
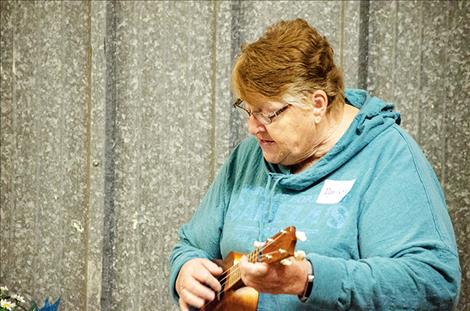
x=337 y=166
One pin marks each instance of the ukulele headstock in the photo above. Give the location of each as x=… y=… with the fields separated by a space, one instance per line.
x=279 y=246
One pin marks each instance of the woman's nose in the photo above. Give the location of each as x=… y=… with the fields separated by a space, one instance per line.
x=254 y=126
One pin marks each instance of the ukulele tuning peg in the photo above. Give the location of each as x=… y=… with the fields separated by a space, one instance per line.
x=301 y=236
x=282 y=251
x=299 y=255
x=286 y=262
x=258 y=244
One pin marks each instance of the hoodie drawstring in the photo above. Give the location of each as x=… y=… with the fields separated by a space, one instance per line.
x=270 y=196
x=269 y=191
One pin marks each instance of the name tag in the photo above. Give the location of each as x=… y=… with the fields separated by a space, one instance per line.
x=334 y=191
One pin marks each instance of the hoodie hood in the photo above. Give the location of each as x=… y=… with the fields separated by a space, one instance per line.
x=374 y=117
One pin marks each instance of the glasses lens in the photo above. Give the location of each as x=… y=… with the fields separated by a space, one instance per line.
x=262 y=118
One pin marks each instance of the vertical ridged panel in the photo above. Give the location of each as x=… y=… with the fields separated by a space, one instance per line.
x=71 y=92
x=7 y=139
x=260 y=14
x=48 y=148
x=433 y=100
x=349 y=44
x=22 y=244
x=407 y=64
x=163 y=144
x=237 y=124
x=456 y=138
x=128 y=142
x=95 y=109
x=48 y=156
x=222 y=61
x=381 y=56
x=61 y=153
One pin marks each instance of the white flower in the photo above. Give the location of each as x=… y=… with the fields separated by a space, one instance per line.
x=3 y=289
x=7 y=304
x=18 y=297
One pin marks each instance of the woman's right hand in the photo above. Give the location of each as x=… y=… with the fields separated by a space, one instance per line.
x=197 y=283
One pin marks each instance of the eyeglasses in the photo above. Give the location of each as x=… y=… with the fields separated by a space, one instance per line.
x=265 y=119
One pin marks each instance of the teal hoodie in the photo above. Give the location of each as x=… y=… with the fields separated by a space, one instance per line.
x=379 y=235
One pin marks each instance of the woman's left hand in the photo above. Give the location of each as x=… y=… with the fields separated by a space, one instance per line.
x=275 y=278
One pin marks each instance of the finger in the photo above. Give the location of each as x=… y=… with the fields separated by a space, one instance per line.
x=187 y=299
x=299 y=255
x=183 y=305
x=252 y=269
x=207 y=276
x=243 y=260
x=213 y=268
x=201 y=291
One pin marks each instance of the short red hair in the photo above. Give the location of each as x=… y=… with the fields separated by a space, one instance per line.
x=291 y=58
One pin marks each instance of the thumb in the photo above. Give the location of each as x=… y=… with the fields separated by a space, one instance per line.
x=255 y=269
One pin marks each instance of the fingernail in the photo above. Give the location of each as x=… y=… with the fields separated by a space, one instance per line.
x=299 y=255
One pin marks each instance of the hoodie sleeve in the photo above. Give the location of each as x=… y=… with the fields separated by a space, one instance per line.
x=199 y=238
x=409 y=258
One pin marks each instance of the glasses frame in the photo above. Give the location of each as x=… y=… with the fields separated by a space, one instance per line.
x=263 y=118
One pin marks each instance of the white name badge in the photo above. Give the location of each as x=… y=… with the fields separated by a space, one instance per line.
x=334 y=191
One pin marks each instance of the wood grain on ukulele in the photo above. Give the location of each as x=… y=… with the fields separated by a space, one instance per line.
x=235 y=296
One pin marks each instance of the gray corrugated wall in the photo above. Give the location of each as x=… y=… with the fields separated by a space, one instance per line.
x=115 y=116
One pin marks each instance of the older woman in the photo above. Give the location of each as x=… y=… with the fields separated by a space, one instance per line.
x=337 y=166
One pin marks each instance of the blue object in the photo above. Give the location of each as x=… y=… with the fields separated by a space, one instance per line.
x=50 y=307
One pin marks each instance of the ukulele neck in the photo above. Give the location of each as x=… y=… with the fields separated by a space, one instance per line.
x=234 y=275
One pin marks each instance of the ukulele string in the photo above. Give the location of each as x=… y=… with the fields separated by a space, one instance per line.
x=235 y=268
x=232 y=270
x=251 y=257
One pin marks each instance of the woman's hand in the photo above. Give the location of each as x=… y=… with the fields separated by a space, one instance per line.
x=276 y=278
x=197 y=283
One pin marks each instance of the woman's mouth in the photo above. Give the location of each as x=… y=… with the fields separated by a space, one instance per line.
x=264 y=142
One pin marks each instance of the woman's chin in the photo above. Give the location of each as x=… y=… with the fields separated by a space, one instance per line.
x=271 y=157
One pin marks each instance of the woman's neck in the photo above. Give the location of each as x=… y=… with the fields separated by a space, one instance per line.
x=330 y=132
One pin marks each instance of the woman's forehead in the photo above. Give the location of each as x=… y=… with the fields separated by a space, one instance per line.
x=259 y=101
x=266 y=106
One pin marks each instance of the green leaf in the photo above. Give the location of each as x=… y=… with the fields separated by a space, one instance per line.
x=34 y=306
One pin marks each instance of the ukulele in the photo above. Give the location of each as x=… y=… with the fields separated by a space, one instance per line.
x=235 y=296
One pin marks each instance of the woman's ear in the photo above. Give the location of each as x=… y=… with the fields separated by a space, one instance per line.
x=320 y=104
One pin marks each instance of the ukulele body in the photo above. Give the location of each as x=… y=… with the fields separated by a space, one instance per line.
x=236 y=297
